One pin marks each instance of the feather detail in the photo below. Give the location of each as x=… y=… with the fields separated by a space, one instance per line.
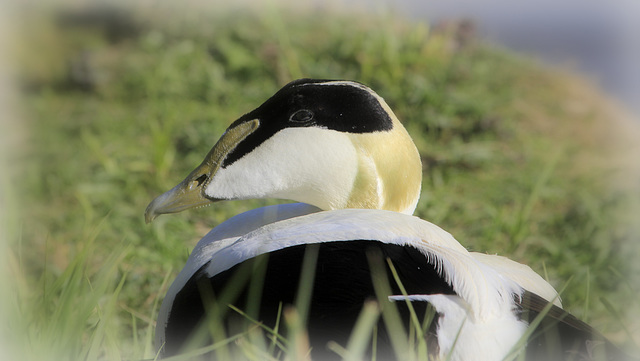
x=482 y=287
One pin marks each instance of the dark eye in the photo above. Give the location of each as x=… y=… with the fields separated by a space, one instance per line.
x=301 y=116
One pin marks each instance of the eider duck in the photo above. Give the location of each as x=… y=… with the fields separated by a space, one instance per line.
x=336 y=147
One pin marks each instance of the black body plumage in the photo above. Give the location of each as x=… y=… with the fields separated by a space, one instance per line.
x=341 y=285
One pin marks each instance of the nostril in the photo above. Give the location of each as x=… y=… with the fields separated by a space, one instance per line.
x=200 y=180
x=197 y=182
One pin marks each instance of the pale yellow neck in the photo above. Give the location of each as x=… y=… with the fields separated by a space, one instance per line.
x=389 y=171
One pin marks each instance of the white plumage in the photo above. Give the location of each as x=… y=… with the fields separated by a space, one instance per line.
x=462 y=336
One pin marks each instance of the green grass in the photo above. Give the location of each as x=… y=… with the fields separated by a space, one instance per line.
x=510 y=166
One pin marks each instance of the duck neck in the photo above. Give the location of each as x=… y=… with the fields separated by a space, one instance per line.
x=386 y=180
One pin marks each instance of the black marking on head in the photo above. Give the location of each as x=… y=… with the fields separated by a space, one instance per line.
x=341 y=285
x=346 y=107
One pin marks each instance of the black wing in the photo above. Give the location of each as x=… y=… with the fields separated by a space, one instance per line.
x=561 y=336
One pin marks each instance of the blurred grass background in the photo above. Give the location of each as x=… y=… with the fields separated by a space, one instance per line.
x=117 y=104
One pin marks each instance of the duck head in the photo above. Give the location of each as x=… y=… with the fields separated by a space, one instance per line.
x=331 y=144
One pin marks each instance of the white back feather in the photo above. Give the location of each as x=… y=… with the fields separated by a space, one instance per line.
x=482 y=287
x=522 y=274
x=488 y=293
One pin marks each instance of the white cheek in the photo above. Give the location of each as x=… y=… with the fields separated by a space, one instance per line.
x=311 y=165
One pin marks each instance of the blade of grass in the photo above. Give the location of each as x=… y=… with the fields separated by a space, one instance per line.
x=420 y=336
x=523 y=215
x=191 y=354
x=390 y=314
x=362 y=331
x=298 y=336
x=278 y=339
x=305 y=286
x=516 y=350
x=621 y=320
x=148 y=344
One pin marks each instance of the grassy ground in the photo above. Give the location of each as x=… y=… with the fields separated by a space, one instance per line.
x=521 y=161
